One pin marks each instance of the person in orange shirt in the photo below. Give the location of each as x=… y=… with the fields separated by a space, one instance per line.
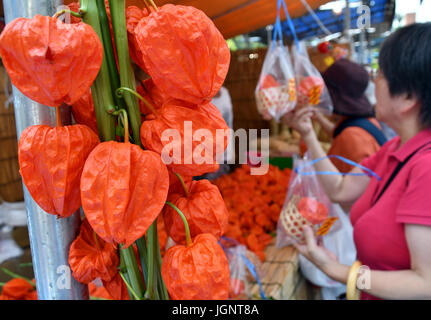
x=357 y=134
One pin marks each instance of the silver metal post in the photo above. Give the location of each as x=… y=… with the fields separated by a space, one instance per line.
x=50 y=238
x=347 y=27
x=362 y=48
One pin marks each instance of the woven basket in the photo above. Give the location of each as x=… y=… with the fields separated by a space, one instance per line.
x=10 y=179
x=292 y=220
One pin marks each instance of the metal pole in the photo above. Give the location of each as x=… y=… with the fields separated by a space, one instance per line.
x=50 y=238
x=269 y=29
x=347 y=23
x=347 y=27
x=362 y=57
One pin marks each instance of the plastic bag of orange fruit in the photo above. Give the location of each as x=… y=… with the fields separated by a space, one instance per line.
x=306 y=204
x=276 y=90
x=312 y=90
x=245 y=270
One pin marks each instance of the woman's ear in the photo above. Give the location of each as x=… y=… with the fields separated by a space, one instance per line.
x=408 y=104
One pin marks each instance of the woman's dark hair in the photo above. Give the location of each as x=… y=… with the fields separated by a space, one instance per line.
x=405 y=60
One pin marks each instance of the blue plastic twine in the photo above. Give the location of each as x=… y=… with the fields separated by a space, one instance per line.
x=250 y=266
x=367 y=172
x=290 y=24
x=277 y=28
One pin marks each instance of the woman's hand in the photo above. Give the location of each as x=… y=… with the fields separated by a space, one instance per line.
x=300 y=120
x=324 y=122
x=316 y=253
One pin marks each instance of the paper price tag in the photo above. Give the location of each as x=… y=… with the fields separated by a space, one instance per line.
x=326 y=226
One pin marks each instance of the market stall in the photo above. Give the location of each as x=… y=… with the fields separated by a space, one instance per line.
x=118 y=211
x=255 y=239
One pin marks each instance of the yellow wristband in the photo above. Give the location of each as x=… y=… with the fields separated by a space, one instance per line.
x=352 y=292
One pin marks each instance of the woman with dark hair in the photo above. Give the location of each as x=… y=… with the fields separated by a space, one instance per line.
x=357 y=134
x=391 y=217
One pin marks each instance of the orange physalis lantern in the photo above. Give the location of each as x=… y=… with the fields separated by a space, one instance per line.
x=203 y=207
x=51 y=161
x=198 y=271
x=158 y=97
x=83 y=111
x=18 y=289
x=116 y=288
x=123 y=190
x=184 y=53
x=91 y=257
x=187 y=154
x=149 y=92
x=49 y=61
x=133 y=16
x=98 y=292
x=175 y=185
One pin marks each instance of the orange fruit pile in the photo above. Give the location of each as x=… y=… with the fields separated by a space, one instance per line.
x=254 y=204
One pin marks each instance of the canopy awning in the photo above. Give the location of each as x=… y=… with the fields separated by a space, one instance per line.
x=234 y=17
x=306 y=27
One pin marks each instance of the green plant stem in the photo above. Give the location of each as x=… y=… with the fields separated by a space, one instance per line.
x=156 y=249
x=133 y=271
x=186 y=224
x=162 y=288
x=120 y=92
x=154 y=5
x=72 y=13
x=83 y=7
x=123 y=271
x=151 y=262
x=142 y=250
x=101 y=90
x=161 y=284
x=156 y=288
x=97 y=298
x=125 y=120
x=129 y=287
x=109 y=51
x=127 y=77
x=186 y=191
x=147 y=5
x=25 y=264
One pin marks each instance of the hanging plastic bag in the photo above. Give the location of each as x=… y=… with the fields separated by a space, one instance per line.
x=276 y=89
x=244 y=267
x=307 y=203
x=312 y=90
